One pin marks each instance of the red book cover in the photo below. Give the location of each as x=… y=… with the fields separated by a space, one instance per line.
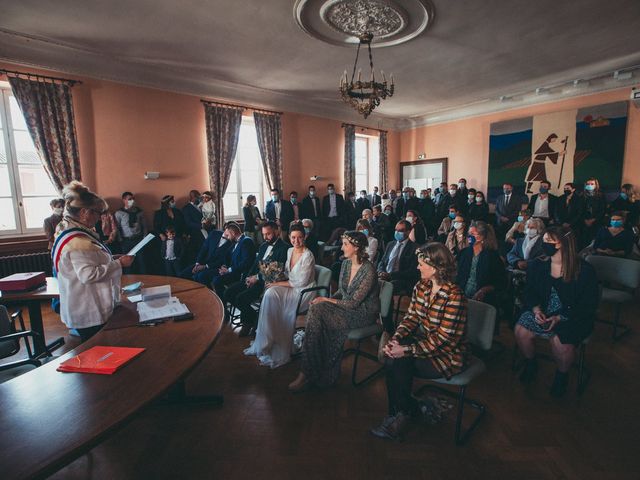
x=22 y=281
x=102 y=360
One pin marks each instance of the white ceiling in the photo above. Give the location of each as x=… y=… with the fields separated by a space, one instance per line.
x=253 y=52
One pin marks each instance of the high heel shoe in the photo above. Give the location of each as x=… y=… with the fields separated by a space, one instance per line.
x=300 y=384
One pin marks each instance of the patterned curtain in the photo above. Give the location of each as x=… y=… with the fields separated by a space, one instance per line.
x=223 y=130
x=269 y=131
x=48 y=111
x=384 y=174
x=349 y=158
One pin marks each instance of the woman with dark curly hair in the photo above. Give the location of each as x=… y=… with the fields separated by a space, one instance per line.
x=355 y=304
x=429 y=342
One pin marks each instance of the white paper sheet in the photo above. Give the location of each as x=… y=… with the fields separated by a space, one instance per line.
x=141 y=244
x=160 y=308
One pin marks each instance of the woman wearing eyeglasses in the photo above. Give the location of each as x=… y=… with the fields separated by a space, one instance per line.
x=88 y=274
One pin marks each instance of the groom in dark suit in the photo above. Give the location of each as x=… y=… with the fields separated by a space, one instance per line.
x=210 y=258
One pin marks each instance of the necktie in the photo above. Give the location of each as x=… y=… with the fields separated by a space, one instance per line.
x=394 y=258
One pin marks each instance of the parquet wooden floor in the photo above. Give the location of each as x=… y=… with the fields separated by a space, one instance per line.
x=264 y=432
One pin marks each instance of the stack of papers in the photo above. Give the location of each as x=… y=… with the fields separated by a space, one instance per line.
x=102 y=360
x=160 y=308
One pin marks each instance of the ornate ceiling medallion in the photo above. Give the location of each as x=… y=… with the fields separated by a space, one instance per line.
x=343 y=22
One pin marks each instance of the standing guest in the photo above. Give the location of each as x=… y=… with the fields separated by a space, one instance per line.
x=277 y=317
x=83 y=265
x=386 y=200
x=333 y=210
x=569 y=208
x=351 y=211
x=507 y=207
x=356 y=304
x=457 y=239
x=627 y=204
x=209 y=215
x=418 y=233
x=131 y=229
x=393 y=199
x=50 y=223
x=594 y=208
x=279 y=212
x=517 y=229
x=171 y=251
x=239 y=258
x=543 y=205
x=481 y=273
x=212 y=255
x=193 y=221
x=614 y=240
x=375 y=198
x=381 y=224
x=471 y=200
x=362 y=203
x=398 y=263
x=479 y=210
x=311 y=239
x=168 y=215
x=561 y=298
x=267 y=267
x=391 y=216
x=429 y=342
x=441 y=193
x=252 y=219
x=364 y=226
x=107 y=230
x=407 y=202
x=295 y=207
x=528 y=247
x=312 y=209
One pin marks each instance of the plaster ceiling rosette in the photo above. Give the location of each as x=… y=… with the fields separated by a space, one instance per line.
x=341 y=22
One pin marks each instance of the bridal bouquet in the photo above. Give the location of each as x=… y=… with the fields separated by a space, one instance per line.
x=272 y=271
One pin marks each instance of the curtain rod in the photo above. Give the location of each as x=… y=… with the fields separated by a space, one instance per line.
x=46 y=77
x=244 y=107
x=362 y=126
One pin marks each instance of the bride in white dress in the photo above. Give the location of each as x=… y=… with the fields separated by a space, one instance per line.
x=277 y=317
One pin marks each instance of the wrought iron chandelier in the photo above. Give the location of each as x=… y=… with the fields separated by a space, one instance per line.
x=364 y=96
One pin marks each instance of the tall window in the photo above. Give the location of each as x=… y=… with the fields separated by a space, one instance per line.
x=25 y=188
x=367 y=162
x=246 y=174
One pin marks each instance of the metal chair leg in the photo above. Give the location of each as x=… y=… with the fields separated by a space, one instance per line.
x=358 y=352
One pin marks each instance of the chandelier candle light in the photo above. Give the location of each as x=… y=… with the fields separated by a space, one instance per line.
x=367 y=95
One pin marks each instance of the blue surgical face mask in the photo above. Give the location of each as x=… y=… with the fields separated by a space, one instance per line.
x=172 y=204
x=452 y=215
x=307 y=230
x=399 y=236
x=520 y=218
x=387 y=212
x=616 y=223
x=274 y=198
x=544 y=189
x=472 y=240
x=422 y=196
x=365 y=231
x=623 y=195
x=405 y=195
x=507 y=191
x=589 y=188
x=294 y=200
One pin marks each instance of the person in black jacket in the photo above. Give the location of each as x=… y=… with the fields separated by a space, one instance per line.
x=593 y=212
x=168 y=215
x=362 y=203
x=252 y=219
x=279 y=211
x=479 y=209
x=193 y=222
x=271 y=257
x=569 y=208
x=481 y=273
x=427 y=210
x=625 y=202
x=561 y=296
x=407 y=202
x=312 y=209
x=333 y=211
x=543 y=204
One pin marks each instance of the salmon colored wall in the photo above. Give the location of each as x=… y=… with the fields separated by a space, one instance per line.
x=466 y=142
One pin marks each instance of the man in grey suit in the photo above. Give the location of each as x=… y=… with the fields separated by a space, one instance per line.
x=507 y=208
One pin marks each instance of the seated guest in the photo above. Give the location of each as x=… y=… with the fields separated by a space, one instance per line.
x=418 y=233
x=614 y=240
x=239 y=259
x=569 y=208
x=543 y=205
x=268 y=267
x=277 y=317
x=252 y=219
x=447 y=223
x=211 y=257
x=87 y=272
x=561 y=297
x=380 y=223
x=457 y=240
x=364 y=227
x=131 y=229
x=168 y=215
x=427 y=209
x=208 y=208
x=517 y=229
x=398 y=263
x=479 y=210
x=367 y=214
x=171 y=251
x=388 y=212
x=107 y=230
x=310 y=238
x=50 y=223
x=481 y=273
x=528 y=247
x=355 y=304
x=627 y=204
x=429 y=342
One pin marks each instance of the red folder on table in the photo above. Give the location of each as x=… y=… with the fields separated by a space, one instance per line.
x=103 y=360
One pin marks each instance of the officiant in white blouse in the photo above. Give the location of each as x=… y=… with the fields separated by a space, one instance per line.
x=277 y=317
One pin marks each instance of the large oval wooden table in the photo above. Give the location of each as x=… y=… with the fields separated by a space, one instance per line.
x=49 y=418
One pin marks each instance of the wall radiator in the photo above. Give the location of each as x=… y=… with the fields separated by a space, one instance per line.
x=29 y=262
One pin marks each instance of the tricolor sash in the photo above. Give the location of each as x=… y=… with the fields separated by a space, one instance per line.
x=65 y=237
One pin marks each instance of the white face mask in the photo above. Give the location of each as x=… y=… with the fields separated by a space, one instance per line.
x=479 y=199
x=458 y=225
x=470 y=196
x=452 y=192
x=531 y=232
x=131 y=203
x=461 y=185
x=409 y=219
x=57 y=211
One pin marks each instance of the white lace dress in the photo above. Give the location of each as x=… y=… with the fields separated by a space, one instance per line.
x=277 y=317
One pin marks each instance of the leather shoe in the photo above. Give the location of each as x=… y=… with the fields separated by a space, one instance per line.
x=393 y=427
